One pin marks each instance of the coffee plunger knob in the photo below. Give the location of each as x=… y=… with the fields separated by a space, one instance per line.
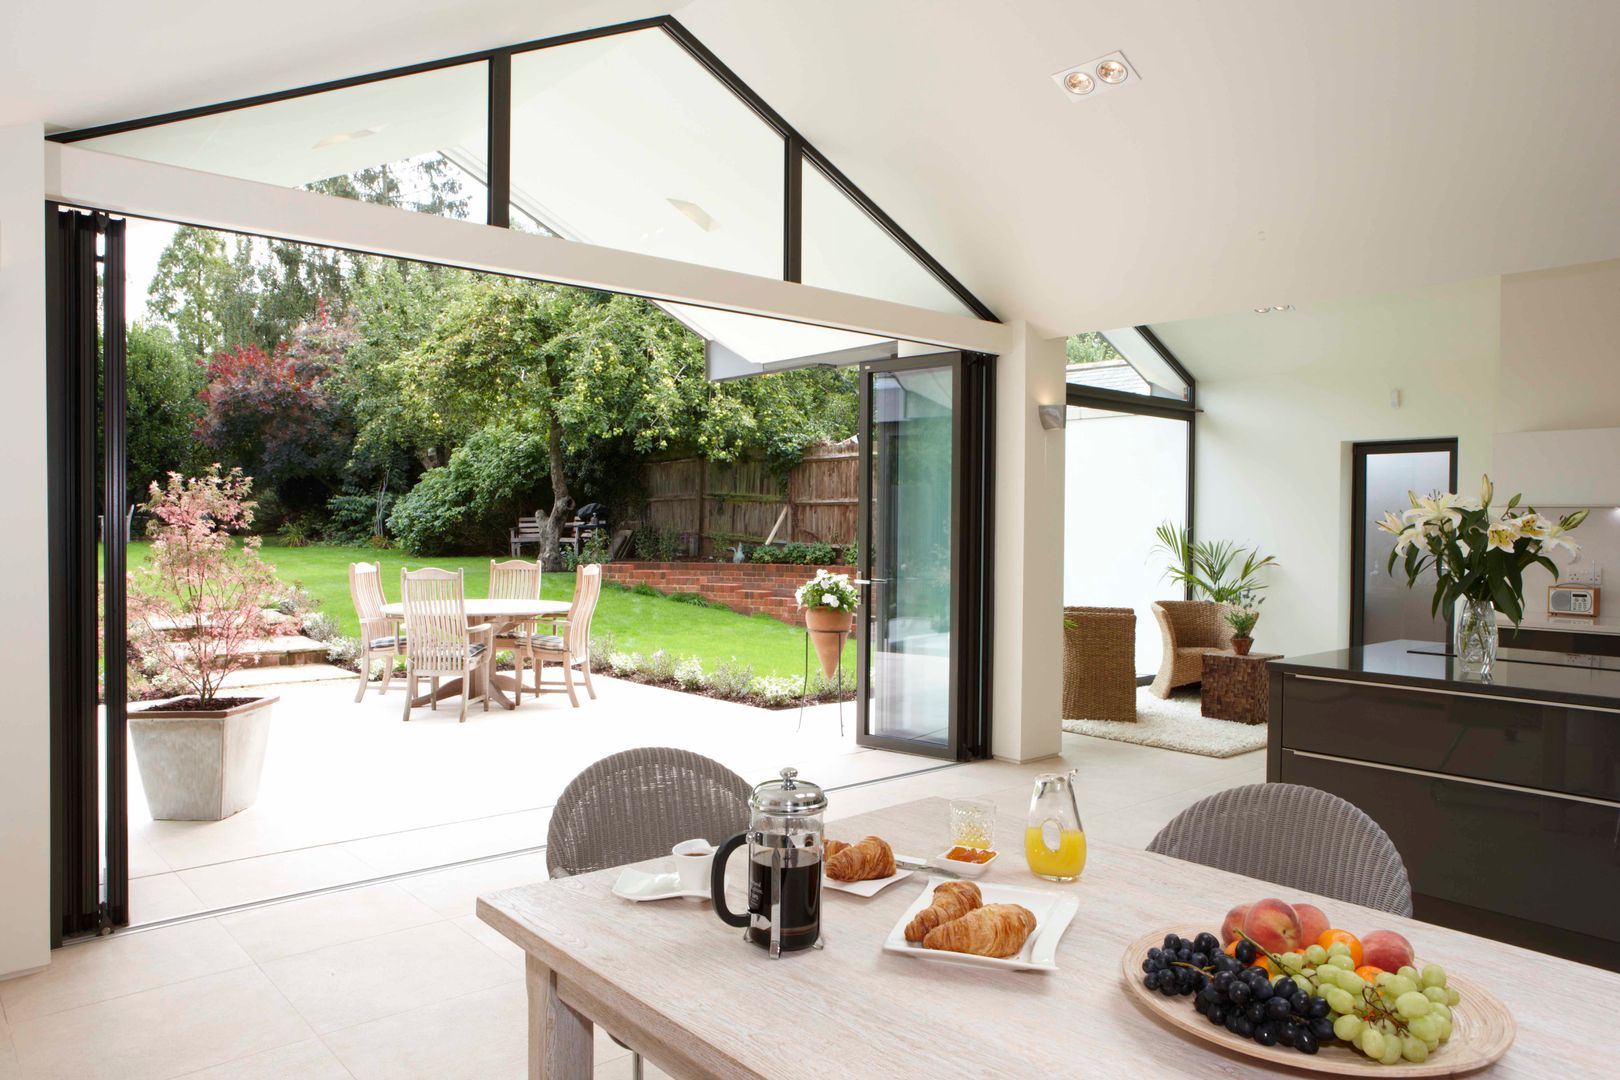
x=787 y=776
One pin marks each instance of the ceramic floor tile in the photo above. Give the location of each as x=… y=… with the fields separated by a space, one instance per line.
x=343 y=985
x=453 y=892
x=314 y=922
x=307 y=1060
x=491 y=938
x=399 y=853
x=144 y=860
x=267 y=876
x=160 y=1033
x=123 y=964
x=158 y=897
x=478 y=1036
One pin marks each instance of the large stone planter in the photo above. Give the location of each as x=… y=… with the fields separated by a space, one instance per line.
x=201 y=766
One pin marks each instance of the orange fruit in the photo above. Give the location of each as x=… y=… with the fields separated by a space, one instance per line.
x=1263 y=961
x=1231 y=947
x=1368 y=972
x=1329 y=937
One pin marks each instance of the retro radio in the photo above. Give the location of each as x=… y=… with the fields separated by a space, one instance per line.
x=1579 y=601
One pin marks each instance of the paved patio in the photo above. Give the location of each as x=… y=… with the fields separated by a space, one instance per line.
x=351 y=793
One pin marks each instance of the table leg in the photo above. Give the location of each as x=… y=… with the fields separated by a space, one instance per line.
x=560 y=1039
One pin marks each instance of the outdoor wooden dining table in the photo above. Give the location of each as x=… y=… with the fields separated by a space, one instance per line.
x=671 y=981
x=501 y=615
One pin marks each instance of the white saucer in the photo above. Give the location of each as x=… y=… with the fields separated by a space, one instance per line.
x=871 y=886
x=638 y=885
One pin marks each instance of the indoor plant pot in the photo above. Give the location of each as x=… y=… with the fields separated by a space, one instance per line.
x=201 y=764
x=1241 y=645
x=828 y=628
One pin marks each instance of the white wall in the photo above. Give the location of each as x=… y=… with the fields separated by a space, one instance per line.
x=1561 y=348
x=24 y=716
x=1286 y=394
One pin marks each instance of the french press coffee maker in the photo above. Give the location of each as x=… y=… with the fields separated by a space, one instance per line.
x=784 y=866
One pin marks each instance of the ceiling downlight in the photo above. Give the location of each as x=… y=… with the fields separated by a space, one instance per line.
x=1107 y=72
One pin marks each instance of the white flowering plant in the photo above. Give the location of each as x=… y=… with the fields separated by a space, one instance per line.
x=1478 y=553
x=827 y=590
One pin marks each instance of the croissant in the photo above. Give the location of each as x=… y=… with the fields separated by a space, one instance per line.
x=831 y=848
x=952 y=900
x=993 y=930
x=871 y=858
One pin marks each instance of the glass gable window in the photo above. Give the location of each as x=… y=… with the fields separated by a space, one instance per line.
x=625 y=141
x=1124 y=361
x=419 y=142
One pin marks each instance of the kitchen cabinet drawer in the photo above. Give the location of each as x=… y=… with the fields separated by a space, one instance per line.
x=1550 y=860
x=1541 y=745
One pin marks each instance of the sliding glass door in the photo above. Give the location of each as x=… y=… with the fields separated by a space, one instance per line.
x=921 y=659
x=1382 y=608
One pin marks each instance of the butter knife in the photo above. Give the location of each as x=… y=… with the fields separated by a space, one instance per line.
x=926 y=868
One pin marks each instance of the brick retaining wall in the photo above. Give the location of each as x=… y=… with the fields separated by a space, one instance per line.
x=763 y=588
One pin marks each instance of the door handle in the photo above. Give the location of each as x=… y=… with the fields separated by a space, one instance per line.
x=871 y=581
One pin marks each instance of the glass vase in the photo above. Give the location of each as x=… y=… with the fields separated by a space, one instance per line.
x=1475 y=635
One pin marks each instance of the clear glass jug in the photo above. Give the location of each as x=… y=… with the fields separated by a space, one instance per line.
x=1054 y=839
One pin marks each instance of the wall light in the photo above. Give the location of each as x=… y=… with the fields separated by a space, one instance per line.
x=1053 y=417
x=1103 y=73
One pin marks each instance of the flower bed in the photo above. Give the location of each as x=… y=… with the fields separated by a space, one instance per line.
x=749 y=588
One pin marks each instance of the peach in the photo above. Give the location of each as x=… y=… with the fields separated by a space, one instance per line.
x=1273 y=925
x=1313 y=922
x=1233 y=923
x=1386 y=949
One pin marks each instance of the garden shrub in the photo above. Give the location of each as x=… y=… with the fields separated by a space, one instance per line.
x=774 y=691
x=693 y=598
x=467 y=505
x=344 y=652
x=796 y=553
x=298 y=531
x=668 y=544
x=731 y=679
x=319 y=626
x=622 y=663
x=352 y=517
x=641 y=588
x=644 y=541
x=660 y=665
x=689 y=674
x=603 y=645
x=294 y=599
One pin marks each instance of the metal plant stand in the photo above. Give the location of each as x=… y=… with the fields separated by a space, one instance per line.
x=804 y=696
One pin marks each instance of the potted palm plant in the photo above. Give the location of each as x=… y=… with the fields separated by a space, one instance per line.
x=194 y=609
x=828 y=601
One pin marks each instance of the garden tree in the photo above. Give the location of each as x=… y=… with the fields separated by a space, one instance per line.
x=428 y=184
x=189 y=287
x=1090 y=348
x=163 y=384
x=272 y=413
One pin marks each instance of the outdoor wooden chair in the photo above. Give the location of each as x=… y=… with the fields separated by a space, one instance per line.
x=572 y=647
x=379 y=633
x=438 y=641
x=516 y=580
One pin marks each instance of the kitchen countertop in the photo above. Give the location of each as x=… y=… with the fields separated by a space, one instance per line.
x=1571 y=678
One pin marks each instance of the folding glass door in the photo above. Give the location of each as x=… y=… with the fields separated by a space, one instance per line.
x=1382 y=608
x=923 y=656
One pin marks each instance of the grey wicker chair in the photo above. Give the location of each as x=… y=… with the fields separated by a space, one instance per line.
x=638 y=804
x=1295 y=836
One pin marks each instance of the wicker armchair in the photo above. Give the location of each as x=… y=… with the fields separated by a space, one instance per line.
x=1190 y=629
x=1099 y=663
x=1255 y=830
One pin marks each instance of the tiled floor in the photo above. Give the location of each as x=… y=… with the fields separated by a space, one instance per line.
x=400 y=980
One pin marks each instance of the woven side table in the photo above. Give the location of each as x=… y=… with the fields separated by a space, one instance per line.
x=1236 y=688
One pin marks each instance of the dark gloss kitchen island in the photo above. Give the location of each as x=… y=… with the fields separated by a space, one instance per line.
x=1502 y=796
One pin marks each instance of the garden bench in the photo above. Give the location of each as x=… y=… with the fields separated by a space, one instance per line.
x=527 y=531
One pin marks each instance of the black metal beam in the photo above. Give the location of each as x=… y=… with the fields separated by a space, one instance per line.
x=499 y=172
x=793 y=210
x=114 y=562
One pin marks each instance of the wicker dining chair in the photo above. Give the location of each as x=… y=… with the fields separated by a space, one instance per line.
x=516 y=580
x=1099 y=663
x=379 y=633
x=571 y=648
x=438 y=641
x=1190 y=628
x=638 y=804
x=1296 y=836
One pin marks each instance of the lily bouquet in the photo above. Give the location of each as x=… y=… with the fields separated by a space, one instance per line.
x=1478 y=554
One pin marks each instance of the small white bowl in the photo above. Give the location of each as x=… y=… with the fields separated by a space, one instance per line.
x=965 y=869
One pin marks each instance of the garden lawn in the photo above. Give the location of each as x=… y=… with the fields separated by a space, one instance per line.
x=636 y=622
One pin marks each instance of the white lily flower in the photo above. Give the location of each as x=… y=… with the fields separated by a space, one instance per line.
x=1533 y=525
x=1392 y=523
x=1438 y=510
x=1558 y=537
x=1502 y=534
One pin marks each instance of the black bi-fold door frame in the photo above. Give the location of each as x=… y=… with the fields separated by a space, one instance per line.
x=86 y=394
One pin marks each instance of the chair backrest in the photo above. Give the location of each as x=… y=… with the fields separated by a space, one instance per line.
x=365 y=589
x=638 y=804
x=514 y=579
x=1193 y=623
x=1299 y=837
x=587 y=587
x=435 y=619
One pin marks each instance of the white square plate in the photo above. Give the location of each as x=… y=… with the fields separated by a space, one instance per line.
x=1053 y=912
x=871 y=886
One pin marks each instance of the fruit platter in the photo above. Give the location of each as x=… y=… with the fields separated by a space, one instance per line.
x=1281 y=983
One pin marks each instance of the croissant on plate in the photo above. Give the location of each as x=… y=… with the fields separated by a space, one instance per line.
x=993 y=930
x=871 y=858
x=952 y=900
x=831 y=848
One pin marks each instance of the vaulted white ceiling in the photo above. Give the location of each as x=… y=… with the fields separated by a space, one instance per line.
x=1272 y=152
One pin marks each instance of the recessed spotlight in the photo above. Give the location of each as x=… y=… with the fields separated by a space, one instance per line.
x=1269 y=309
x=1095 y=76
x=1078 y=82
x=346 y=136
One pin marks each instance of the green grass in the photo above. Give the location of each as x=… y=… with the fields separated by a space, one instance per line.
x=638 y=622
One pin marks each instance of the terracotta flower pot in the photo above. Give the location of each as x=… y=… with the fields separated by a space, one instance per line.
x=828 y=628
x=1241 y=645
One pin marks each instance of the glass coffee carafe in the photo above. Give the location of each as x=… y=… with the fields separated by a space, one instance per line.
x=1054 y=840
x=784 y=866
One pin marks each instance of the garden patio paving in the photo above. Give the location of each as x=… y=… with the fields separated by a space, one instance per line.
x=351 y=793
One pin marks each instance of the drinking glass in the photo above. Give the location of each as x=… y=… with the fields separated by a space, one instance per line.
x=973 y=823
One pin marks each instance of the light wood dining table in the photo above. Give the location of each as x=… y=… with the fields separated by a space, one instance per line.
x=672 y=982
x=501 y=616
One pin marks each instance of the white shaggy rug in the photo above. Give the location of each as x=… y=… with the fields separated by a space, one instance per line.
x=1175 y=724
